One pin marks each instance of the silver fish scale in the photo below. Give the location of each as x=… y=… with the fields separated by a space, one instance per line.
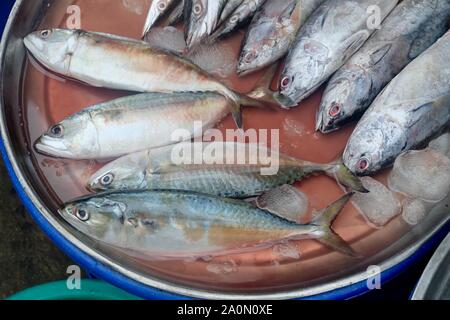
x=226 y=182
x=201 y=207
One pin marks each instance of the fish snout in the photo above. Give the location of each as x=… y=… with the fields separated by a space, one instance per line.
x=34 y=45
x=328 y=117
x=53 y=147
x=94 y=185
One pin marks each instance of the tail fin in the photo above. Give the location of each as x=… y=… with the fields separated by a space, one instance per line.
x=238 y=100
x=325 y=220
x=262 y=91
x=261 y=97
x=345 y=177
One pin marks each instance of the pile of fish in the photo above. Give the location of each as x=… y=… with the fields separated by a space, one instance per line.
x=395 y=74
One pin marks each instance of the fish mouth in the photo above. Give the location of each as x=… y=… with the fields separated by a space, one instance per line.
x=94 y=185
x=67 y=213
x=284 y=101
x=34 y=46
x=242 y=71
x=52 y=147
x=324 y=126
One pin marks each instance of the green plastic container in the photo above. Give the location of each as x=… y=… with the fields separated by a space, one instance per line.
x=90 y=290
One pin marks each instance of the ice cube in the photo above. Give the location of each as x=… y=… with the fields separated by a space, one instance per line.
x=225 y=267
x=168 y=38
x=414 y=210
x=441 y=144
x=217 y=59
x=135 y=6
x=287 y=249
x=378 y=206
x=423 y=174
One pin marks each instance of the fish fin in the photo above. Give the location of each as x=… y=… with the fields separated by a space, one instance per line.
x=262 y=91
x=353 y=43
x=326 y=218
x=285 y=202
x=379 y=54
x=344 y=176
x=334 y=241
x=438 y=103
x=238 y=100
x=236 y=112
x=295 y=13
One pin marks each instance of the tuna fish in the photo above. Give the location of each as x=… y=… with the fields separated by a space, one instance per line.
x=410 y=29
x=272 y=32
x=413 y=108
x=335 y=31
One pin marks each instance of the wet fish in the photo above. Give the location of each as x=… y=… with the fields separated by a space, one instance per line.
x=411 y=28
x=242 y=15
x=131 y=124
x=333 y=33
x=272 y=32
x=174 y=224
x=114 y=62
x=157 y=9
x=176 y=15
x=228 y=9
x=410 y=110
x=203 y=18
x=258 y=170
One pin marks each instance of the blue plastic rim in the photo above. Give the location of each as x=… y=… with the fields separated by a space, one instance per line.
x=103 y=272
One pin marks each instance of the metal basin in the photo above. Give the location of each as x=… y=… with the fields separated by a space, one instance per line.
x=434 y=284
x=116 y=267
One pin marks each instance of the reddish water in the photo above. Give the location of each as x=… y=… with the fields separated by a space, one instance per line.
x=48 y=100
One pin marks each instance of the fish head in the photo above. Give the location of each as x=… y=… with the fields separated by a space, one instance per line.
x=343 y=99
x=73 y=138
x=125 y=173
x=94 y=216
x=53 y=48
x=198 y=25
x=303 y=73
x=374 y=144
x=262 y=47
x=251 y=59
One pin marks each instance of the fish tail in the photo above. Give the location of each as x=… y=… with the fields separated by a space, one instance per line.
x=325 y=219
x=238 y=100
x=262 y=91
x=344 y=176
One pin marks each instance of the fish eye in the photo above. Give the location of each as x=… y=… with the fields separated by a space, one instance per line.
x=335 y=110
x=45 y=33
x=234 y=18
x=107 y=179
x=198 y=8
x=82 y=215
x=162 y=5
x=285 y=82
x=363 y=164
x=249 y=56
x=57 y=131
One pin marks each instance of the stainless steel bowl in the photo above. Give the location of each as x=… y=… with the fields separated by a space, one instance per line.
x=434 y=284
x=25 y=17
